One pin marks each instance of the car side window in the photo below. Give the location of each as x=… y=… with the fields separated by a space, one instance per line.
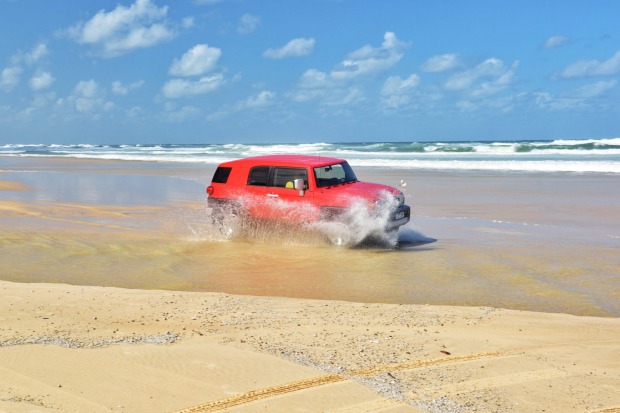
x=285 y=177
x=259 y=175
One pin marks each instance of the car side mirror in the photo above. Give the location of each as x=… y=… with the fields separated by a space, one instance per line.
x=299 y=184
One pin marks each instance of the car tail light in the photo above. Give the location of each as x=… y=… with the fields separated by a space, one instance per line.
x=210 y=190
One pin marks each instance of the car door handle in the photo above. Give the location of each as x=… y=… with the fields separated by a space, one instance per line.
x=272 y=195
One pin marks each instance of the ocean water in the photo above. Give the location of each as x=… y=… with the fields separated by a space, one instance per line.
x=577 y=156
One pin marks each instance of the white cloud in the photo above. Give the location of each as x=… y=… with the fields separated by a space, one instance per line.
x=585 y=68
x=38 y=52
x=87 y=88
x=394 y=85
x=585 y=97
x=396 y=91
x=594 y=90
x=464 y=80
x=496 y=84
x=197 y=61
x=335 y=87
x=177 y=88
x=441 y=63
x=41 y=80
x=248 y=23
x=296 y=47
x=181 y=115
x=88 y=97
x=369 y=60
x=500 y=77
x=466 y=106
x=124 y=29
x=261 y=100
x=555 y=41
x=118 y=88
x=9 y=78
x=188 y=22
x=315 y=79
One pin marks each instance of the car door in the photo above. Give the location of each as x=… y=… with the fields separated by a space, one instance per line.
x=254 y=199
x=286 y=202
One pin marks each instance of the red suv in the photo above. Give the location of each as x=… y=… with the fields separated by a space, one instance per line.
x=314 y=190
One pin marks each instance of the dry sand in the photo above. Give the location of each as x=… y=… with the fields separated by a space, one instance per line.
x=97 y=349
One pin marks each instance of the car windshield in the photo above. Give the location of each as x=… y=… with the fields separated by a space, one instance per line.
x=339 y=173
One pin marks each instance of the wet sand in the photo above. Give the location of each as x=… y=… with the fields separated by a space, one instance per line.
x=520 y=241
x=366 y=341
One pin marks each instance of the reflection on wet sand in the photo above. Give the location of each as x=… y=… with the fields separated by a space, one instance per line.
x=12 y=186
x=154 y=231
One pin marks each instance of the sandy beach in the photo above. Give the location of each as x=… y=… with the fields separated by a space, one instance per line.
x=117 y=296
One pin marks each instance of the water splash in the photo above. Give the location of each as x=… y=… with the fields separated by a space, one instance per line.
x=361 y=224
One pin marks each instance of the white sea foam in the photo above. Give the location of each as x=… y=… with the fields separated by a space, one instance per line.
x=482 y=165
x=580 y=156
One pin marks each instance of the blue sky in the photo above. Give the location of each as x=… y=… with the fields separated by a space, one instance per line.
x=209 y=71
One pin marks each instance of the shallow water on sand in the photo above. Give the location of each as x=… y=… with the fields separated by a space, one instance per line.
x=474 y=240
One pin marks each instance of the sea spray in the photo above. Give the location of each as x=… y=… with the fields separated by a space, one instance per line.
x=295 y=224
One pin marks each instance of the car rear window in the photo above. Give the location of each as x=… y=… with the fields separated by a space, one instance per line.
x=258 y=176
x=221 y=175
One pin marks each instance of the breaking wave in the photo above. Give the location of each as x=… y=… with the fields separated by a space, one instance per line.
x=580 y=156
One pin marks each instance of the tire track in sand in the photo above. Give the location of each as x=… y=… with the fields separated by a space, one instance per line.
x=265 y=393
x=274 y=391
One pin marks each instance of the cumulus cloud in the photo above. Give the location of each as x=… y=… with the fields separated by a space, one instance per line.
x=37 y=53
x=369 y=60
x=124 y=29
x=584 y=68
x=594 y=90
x=337 y=86
x=9 y=78
x=261 y=100
x=248 y=23
x=88 y=97
x=87 y=88
x=177 y=88
x=296 y=47
x=397 y=92
x=585 y=97
x=182 y=114
x=498 y=76
x=118 y=88
x=555 y=41
x=464 y=79
x=11 y=75
x=395 y=85
x=197 y=61
x=41 y=81
x=441 y=63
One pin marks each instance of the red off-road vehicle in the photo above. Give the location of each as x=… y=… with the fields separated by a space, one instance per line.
x=301 y=189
